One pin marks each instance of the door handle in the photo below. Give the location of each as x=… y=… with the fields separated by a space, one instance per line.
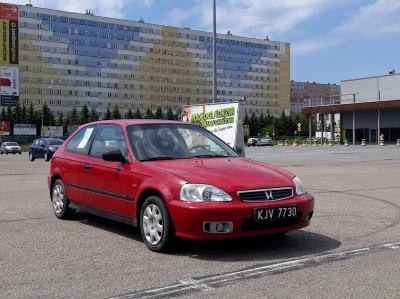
x=87 y=167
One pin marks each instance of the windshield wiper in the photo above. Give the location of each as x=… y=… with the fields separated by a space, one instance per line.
x=207 y=156
x=158 y=158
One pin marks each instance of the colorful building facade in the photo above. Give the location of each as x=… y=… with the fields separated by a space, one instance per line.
x=70 y=59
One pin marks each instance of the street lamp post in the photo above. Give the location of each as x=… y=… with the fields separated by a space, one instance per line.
x=41 y=100
x=214 y=52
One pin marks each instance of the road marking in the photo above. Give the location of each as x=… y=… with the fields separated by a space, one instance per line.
x=212 y=282
x=196 y=285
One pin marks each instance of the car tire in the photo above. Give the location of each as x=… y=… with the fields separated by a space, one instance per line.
x=155 y=211
x=59 y=201
x=6 y=153
x=1 y=152
x=20 y=153
x=46 y=156
x=13 y=153
x=31 y=157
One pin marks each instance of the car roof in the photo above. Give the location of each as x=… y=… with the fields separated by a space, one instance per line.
x=128 y=122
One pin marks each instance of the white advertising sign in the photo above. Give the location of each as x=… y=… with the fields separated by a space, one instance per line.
x=220 y=119
x=53 y=131
x=10 y=81
x=25 y=129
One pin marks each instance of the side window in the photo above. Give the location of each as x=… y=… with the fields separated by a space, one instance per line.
x=41 y=142
x=80 y=142
x=36 y=142
x=108 y=137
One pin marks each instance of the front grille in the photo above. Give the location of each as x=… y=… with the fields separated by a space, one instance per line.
x=266 y=194
x=248 y=224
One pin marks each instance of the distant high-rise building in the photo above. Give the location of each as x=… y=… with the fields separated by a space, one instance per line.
x=71 y=59
x=305 y=93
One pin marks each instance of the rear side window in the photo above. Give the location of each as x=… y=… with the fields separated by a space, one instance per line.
x=79 y=144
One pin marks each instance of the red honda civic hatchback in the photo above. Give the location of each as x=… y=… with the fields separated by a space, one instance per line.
x=173 y=179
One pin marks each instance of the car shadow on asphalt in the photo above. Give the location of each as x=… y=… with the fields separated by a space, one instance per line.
x=292 y=245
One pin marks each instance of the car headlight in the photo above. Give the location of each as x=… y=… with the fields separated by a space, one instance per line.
x=300 y=190
x=203 y=193
x=52 y=148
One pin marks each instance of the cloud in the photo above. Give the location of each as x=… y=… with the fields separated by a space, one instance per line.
x=372 y=21
x=255 y=18
x=105 y=8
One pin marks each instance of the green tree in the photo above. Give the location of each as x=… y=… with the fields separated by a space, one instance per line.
x=17 y=113
x=159 y=113
x=53 y=120
x=66 y=123
x=10 y=115
x=84 y=115
x=246 y=120
x=107 y=115
x=262 y=123
x=60 y=120
x=94 y=116
x=254 y=126
x=31 y=115
x=137 y=114
x=24 y=114
x=116 y=114
x=3 y=114
x=74 y=116
x=46 y=114
x=129 y=115
x=170 y=114
x=149 y=113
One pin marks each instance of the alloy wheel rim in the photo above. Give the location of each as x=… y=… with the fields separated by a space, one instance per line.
x=58 y=199
x=153 y=225
x=45 y=156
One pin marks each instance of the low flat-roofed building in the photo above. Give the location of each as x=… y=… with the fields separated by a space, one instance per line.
x=368 y=107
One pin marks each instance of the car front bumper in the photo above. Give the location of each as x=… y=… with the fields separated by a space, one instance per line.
x=12 y=150
x=192 y=220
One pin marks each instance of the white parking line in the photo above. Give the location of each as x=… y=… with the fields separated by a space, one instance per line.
x=212 y=282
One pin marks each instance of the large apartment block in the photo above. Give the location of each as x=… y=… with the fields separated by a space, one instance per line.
x=304 y=94
x=69 y=59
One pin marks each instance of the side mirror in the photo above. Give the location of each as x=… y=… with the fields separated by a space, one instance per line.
x=239 y=150
x=114 y=156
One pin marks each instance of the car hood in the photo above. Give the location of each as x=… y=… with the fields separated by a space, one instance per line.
x=230 y=174
x=55 y=146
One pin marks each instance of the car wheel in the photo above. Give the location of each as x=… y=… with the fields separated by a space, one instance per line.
x=20 y=153
x=6 y=153
x=46 y=156
x=1 y=152
x=31 y=157
x=156 y=224
x=60 y=202
x=13 y=153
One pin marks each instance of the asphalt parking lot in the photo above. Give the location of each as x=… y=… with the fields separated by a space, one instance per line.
x=350 y=250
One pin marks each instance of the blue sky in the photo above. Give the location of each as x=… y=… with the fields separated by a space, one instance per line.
x=330 y=40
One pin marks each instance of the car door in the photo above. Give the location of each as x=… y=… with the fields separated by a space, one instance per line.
x=33 y=149
x=72 y=162
x=105 y=184
x=41 y=149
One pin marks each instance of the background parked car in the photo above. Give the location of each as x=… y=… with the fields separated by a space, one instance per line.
x=265 y=141
x=10 y=147
x=252 y=141
x=44 y=148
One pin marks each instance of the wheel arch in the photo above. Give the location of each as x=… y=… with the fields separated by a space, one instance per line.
x=141 y=199
x=54 y=178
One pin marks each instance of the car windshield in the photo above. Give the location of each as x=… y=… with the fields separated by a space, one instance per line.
x=12 y=144
x=175 y=141
x=54 y=141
